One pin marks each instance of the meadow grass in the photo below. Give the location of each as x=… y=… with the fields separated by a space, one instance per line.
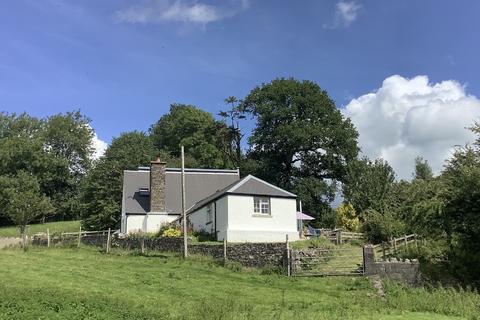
x=85 y=283
x=54 y=227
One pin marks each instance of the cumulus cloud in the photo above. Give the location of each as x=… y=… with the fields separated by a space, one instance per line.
x=406 y=118
x=99 y=147
x=346 y=12
x=157 y=11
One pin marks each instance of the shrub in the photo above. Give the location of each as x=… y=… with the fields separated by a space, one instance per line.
x=203 y=235
x=346 y=217
x=380 y=227
x=171 y=233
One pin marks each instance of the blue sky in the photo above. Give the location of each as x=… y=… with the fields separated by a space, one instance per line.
x=123 y=62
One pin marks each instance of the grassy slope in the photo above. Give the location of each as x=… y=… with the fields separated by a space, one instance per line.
x=86 y=284
x=54 y=227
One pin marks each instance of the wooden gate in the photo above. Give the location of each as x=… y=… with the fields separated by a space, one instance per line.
x=327 y=262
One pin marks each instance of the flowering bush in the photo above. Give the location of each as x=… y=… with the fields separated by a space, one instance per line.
x=171 y=233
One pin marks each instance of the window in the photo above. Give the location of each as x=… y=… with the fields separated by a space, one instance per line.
x=261 y=205
x=209 y=213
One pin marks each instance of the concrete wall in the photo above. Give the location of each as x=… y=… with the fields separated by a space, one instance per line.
x=407 y=271
x=246 y=226
x=147 y=223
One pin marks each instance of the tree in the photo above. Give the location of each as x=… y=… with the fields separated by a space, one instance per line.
x=233 y=135
x=193 y=128
x=299 y=134
x=22 y=201
x=101 y=192
x=55 y=150
x=347 y=217
x=462 y=211
x=423 y=170
x=368 y=185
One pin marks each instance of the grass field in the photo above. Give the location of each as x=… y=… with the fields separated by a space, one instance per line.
x=54 y=227
x=70 y=283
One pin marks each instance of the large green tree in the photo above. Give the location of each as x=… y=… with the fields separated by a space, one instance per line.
x=301 y=141
x=55 y=150
x=101 y=193
x=195 y=129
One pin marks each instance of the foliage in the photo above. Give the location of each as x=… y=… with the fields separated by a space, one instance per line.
x=368 y=185
x=346 y=217
x=462 y=209
x=379 y=227
x=203 y=236
x=101 y=193
x=420 y=204
x=232 y=137
x=196 y=130
x=299 y=134
x=21 y=199
x=172 y=233
x=423 y=171
x=56 y=150
x=67 y=286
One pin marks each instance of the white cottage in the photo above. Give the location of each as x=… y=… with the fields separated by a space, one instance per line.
x=219 y=202
x=248 y=210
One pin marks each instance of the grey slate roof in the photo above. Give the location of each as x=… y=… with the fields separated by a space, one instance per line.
x=249 y=185
x=199 y=184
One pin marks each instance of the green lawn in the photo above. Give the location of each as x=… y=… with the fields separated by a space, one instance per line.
x=62 y=283
x=54 y=227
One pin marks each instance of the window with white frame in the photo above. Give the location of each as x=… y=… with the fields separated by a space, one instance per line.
x=209 y=213
x=261 y=205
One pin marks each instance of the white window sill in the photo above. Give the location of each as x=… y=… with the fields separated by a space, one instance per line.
x=261 y=215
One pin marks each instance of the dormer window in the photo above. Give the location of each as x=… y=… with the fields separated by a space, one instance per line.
x=144 y=192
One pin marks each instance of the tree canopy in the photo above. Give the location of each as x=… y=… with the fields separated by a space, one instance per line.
x=300 y=139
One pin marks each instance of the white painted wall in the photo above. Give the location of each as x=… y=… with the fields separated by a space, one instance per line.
x=237 y=222
x=198 y=219
x=246 y=226
x=147 y=223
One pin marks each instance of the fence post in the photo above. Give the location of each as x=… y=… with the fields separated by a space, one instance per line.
x=395 y=245
x=108 y=241
x=48 y=238
x=415 y=240
x=79 y=237
x=340 y=236
x=224 y=252
x=288 y=256
x=406 y=241
x=383 y=251
x=143 y=245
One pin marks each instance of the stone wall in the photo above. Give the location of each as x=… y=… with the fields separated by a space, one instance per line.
x=407 y=271
x=247 y=254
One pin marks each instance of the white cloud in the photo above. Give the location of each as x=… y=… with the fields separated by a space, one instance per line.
x=346 y=12
x=406 y=118
x=157 y=11
x=99 y=147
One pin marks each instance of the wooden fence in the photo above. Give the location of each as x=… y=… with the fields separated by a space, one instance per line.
x=338 y=236
x=389 y=248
